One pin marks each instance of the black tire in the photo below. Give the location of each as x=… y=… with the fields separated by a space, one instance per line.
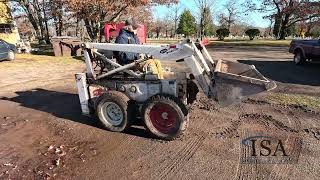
x=173 y=124
x=121 y=103
x=298 y=58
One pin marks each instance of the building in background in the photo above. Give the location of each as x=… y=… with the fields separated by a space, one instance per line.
x=8 y=29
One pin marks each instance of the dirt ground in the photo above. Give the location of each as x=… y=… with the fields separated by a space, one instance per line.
x=44 y=136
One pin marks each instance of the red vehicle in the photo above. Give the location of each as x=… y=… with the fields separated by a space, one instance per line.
x=111 y=31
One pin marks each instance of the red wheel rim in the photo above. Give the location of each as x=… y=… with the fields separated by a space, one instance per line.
x=163 y=117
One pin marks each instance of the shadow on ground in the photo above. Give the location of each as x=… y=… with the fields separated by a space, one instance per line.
x=63 y=105
x=288 y=72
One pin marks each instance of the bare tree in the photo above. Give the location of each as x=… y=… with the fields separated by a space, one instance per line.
x=96 y=12
x=204 y=6
x=286 y=13
x=175 y=11
x=33 y=10
x=229 y=18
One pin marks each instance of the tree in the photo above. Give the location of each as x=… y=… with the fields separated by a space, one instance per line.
x=57 y=13
x=222 y=33
x=205 y=16
x=158 y=26
x=175 y=15
x=252 y=33
x=310 y=24
x=228 y=19
x=95 y=13
x=5 y=15
x=36 y=13
x=187 y=24
x=208 y=26
x=286 y=12
x=315 y=31
x=24 y=26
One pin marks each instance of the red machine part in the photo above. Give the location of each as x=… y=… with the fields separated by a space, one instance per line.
x=111 y=31
x=163 y=117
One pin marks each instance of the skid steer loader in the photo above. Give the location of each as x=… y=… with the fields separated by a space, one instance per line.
x=119 y=94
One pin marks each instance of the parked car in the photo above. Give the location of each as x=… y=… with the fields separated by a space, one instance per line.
x=304 y=50
x=7 y=50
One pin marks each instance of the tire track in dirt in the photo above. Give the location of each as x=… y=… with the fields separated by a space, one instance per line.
x=311 y=131
x=279 y=171
x=169 y=169
x=182 y=154
x=245 y=171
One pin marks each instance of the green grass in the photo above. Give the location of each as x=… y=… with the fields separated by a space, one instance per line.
x=256 y=42
x=232 y=42
x=311 y=102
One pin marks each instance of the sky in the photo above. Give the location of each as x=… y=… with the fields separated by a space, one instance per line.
x=253 y=18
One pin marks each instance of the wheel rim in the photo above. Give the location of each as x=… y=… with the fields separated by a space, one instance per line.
x=163 y=117
x=11 y=55
x=112 y=113
x=297 y=58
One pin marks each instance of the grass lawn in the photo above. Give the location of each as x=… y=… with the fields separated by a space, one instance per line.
x=231 y=42
x=26 y=60
x=311 y=102
x=44 y=58
x=256 y=42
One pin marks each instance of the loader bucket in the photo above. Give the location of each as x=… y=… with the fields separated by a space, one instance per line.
x=235 y=81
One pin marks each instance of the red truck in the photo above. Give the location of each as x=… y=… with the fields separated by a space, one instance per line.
x=305 y=50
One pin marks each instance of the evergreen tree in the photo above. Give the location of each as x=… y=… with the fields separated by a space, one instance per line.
x=187 y=24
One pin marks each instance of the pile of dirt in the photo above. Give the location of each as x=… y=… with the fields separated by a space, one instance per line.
x=204 y=103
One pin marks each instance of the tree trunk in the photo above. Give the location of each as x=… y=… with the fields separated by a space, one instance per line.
x=77 y=27
x=201 y=24
x=91 y=28
x=157 y=33
x=284 y=27
x=40 y=19
x=46 y=24
x=166 y=31
x=283 y=33
x=60 y=20
x=60 y=25
x=31 y=16
x=277 y=25
x=285 y=23
x=175 y=27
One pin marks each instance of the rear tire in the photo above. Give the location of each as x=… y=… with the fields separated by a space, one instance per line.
x=298 y=58
x=165 y=117
x=114 y=111
x=11 y=55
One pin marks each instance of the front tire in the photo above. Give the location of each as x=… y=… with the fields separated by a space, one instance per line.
x=298 y=58
x=114 y=111
x=11 y=55
x=164 y=117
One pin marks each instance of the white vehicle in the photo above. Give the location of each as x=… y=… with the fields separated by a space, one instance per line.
x=119 y=94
